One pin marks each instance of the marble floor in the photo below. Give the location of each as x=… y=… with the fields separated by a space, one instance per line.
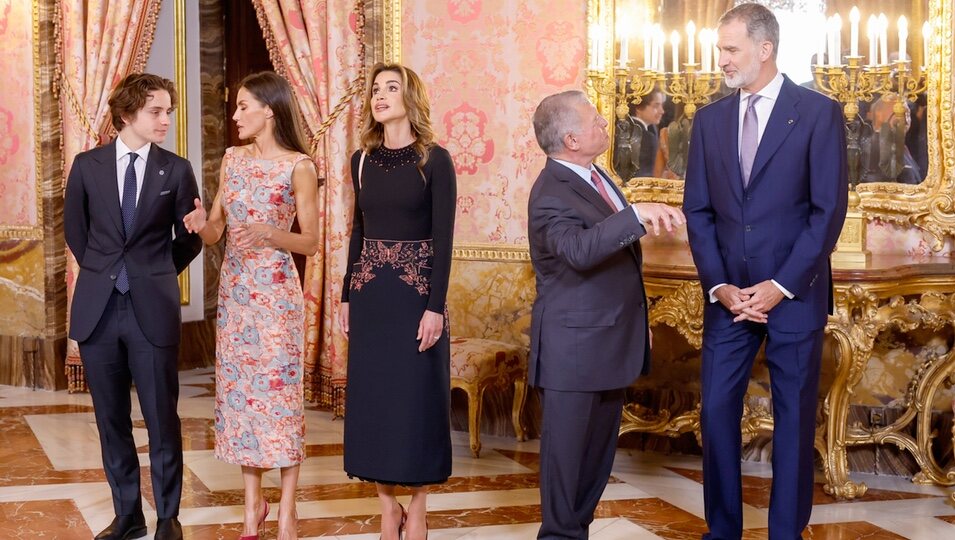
x=52 y=485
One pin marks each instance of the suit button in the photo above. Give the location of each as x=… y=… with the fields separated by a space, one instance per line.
x=748 y=228
x=744 y=258
x=112 y=277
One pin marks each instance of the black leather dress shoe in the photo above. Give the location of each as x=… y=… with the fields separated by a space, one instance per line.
x=168 y=529
x=124 y=528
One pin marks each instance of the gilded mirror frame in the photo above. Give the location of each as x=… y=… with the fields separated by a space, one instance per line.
x=929 y=206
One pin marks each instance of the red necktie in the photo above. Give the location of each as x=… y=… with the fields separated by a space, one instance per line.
x=595 y=178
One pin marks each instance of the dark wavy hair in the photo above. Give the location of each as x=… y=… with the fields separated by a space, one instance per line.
x=274 y=91
x=130 y=95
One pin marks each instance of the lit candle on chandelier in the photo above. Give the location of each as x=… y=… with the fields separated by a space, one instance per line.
x=903 y=36
x=854 y=31
x=926 y=38
x=675 y=43
x=836 y=60
x=646 y=46
x=690 y=42
x=883 y=39
x=872 y=30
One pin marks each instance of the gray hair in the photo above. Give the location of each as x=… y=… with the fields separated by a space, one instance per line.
x=761 y=24
x=555 y=117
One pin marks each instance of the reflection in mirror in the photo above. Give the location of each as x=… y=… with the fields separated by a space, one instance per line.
x=850 y=53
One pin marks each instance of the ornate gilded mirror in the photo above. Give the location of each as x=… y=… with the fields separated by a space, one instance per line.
x=889 y=62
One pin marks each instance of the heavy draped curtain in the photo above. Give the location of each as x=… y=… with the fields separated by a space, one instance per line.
x=101 y=42
x=317 y=46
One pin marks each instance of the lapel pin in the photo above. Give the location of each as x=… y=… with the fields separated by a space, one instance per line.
x=162 y=172
x=791 y=121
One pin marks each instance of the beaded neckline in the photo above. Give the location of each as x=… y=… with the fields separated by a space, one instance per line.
x=392 y=158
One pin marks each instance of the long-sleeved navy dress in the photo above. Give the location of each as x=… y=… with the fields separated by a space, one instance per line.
x=397 y=401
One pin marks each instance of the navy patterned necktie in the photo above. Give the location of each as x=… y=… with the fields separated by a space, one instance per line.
x=749 y=141
x=128 y=209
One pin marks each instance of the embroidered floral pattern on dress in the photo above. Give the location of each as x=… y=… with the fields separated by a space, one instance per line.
x=413 y=258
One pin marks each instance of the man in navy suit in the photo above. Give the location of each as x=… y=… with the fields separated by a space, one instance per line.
x=765 y=199
x=123 y=202
x=589 y=334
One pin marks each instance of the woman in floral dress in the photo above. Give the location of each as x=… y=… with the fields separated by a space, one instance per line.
x=259 y=415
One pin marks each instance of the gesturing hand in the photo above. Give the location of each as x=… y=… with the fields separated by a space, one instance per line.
x=195 y=221
x=429 y=330
x=249 y=235
x=660 y=216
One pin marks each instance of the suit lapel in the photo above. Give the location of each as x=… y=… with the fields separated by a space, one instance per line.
x=106 y=184
x=780 y=125
x=157 y=171
x=577 y=184
x=729 y=144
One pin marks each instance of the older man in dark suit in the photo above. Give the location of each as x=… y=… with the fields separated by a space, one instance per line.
x=589 y=333
x=765 y=200
x=123 y=201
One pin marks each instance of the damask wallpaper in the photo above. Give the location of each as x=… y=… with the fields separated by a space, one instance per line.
x=487 y=63
x=18 y=191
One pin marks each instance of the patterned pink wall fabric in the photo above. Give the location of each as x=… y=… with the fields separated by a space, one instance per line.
x=18 y=202
x=487 y=63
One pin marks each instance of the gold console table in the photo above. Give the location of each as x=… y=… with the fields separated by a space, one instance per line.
x=890 y=293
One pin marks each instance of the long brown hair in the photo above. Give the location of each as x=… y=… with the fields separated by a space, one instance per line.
x=274 y=91
x=416 y=105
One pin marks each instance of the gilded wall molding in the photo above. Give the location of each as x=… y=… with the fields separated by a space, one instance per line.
x=182 y=114
x=391 y=31
x=491 y=252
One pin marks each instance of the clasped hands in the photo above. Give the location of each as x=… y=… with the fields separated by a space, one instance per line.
x=752 y=303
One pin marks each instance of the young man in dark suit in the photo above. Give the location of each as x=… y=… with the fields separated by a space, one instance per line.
x=765 y=200
x=589 y=333
x=123 y=202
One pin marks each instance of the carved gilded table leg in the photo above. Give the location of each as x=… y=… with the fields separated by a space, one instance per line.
x=858 y=321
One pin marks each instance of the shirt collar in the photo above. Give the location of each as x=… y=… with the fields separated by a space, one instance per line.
x=582 y=172
x=122 y=150
x=770 y=91
x=638 y=119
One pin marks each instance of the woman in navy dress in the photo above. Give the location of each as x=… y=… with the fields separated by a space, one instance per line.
x=397 y=429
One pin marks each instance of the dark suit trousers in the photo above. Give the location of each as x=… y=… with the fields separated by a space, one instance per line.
x=794 y=360
x=578 y=442
x=116 y=355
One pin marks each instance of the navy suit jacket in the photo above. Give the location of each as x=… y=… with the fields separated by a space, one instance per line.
x=785 y=224
x=589 y=321
x=93 y=226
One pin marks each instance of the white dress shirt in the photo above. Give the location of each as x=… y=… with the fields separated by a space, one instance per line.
x=764 y=107
x=584 y=174
x=122 y=161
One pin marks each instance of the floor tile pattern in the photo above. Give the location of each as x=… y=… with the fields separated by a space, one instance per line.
x=52 y=485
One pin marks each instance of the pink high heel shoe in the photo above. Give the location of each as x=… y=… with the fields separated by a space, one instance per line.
x=265 y=514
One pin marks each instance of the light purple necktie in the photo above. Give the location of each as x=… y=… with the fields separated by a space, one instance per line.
x=748 y=142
